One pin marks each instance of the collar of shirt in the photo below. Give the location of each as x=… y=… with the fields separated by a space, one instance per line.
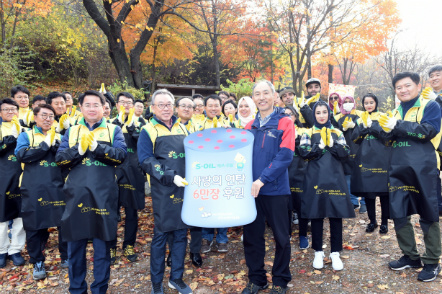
x=438 y=92
x=262 y=122
x=96 y=125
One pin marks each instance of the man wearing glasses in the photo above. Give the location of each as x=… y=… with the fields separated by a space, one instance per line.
x=130 y=177
x=10 y=196
x=185 y=109
x=161 y=155
x=21 y=95
x=42 y=188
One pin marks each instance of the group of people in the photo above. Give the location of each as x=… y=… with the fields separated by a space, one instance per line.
x=311 y=158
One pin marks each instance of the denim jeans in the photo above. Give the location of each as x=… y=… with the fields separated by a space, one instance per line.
x=221 y=234
x=354 y=199
x=158 y=254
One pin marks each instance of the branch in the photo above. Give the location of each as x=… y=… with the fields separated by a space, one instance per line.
x=124 y=12
x=95 y=14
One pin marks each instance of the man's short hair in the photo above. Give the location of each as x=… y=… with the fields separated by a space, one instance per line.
x=53 y=95
x=264 y=81
x=224 y=93
x=162 y=92
x=195 y=96
x=233 y=95
x=38 y=98
x=434 y=69
x=91 y=93
x=40 y=107
x=177 y=102
x=9 y=101
x=214 y=97
x=127 y=95
x=19 y=88
x=139 y=101
x=406 y=74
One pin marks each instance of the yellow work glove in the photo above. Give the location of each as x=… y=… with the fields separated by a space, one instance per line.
x=428 y=93
x=74 y=109
x=63 y=123
x=84 y=143
x=215 y=122
x=335 y=107
x=387 y=123
x=302 y=102
x=366 y=120
x=92 y=142
x=230 y=118
x=130 y=117
x=102 y=89
x=348 y=123
x=122 y=114
x=50 y=137
x=329 y=142
x=16 y=127
x=323 y=141
x=313 y=99
x=29 y=118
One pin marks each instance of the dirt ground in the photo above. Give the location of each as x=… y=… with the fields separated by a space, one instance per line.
x=365 y=260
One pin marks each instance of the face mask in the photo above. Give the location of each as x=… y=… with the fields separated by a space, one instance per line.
x=348 y=106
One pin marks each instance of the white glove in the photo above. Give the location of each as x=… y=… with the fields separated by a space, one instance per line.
x=428 y=93
x=321 y=144
x=179 y=181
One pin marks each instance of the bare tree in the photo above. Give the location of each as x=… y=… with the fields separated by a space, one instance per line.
x=398 y=59
x=306 y=27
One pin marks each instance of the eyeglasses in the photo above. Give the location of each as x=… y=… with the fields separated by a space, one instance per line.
x=9 y=109
x=127 y=103
x=22 y=97
x=163 y=106
x=47 y=116
x=199 y=105
x=186 y=106
x=334 y=98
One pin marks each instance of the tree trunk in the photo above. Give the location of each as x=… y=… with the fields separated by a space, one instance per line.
x=216 y=61
x=330 y=73
x=120 y=61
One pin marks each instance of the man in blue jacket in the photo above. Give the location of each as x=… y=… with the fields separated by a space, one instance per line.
x=272 y=154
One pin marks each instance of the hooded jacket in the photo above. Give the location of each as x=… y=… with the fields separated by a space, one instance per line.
x=273 y=149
